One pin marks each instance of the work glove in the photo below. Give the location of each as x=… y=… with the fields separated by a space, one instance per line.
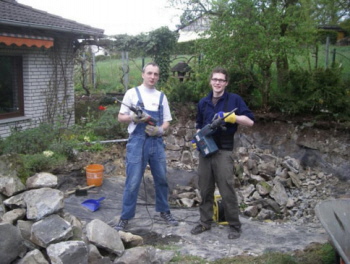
x=154 y=131
x=230 y=119
x=142 y=119
x=194 y=144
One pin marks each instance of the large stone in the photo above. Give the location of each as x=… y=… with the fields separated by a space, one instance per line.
x=14 y=215
x=139 y=255
x=11 y=243
x=16 y=201
x=43 y=202
x=41 y=180
x=51 y=229
x=130 y=240
x=33 y=257
x=10 y=185
x=104 y=236
x=279 y=193
x=68 y=252
x=295 y=179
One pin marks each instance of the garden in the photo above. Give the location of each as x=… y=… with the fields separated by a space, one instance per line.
x=300 y=74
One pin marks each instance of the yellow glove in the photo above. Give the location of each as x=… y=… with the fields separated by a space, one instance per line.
x=230 y=119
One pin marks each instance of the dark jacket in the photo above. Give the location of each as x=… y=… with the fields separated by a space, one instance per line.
x=206 y=111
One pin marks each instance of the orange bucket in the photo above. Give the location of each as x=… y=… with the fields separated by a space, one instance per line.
x=94 y=174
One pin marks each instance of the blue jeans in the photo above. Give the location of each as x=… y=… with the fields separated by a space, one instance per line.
x=141 y=150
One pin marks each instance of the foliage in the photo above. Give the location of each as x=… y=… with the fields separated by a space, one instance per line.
x=30 y=141
x=322 y=35
x=39 y=162
x=330 y=12
x=48 y=146
x=191 y=90
x=315 y=254
x=188 y=48
x=106 y=126
x=161 y=46
x=345 y=24
x=256 y=37
x=320 y=90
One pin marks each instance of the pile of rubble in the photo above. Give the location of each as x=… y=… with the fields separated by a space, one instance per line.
x=35 y=228
x=271 y=188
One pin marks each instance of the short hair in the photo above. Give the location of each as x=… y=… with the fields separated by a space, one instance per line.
x=150 y=63
x=220 y=70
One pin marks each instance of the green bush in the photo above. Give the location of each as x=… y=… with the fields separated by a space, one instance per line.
x=30 y=141
x=321 y=91
x=188 y=47
x=38 y=162
x=244 y=84
x=108 y=127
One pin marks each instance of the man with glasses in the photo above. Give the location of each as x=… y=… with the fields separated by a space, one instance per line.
x=218 y=168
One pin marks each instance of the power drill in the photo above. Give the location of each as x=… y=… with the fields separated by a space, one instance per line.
x=203 y=138
x=138 y=111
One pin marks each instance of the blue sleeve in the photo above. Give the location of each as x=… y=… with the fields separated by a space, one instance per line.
x=242 y=107
x=199 y=117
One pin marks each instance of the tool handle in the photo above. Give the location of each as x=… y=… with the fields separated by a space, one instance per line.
x=138 y=111
x=151 y=121
x=218 y=121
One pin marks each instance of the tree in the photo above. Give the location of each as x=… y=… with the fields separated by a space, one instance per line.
x=255 y=34
x=330 y=12
x=161 y=43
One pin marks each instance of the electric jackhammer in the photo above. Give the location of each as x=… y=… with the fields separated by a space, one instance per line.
x=138 y=111
x=203 y=138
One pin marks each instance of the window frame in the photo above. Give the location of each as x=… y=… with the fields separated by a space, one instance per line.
x=18 y=64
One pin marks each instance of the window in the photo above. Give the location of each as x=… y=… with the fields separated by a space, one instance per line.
x=11 y=87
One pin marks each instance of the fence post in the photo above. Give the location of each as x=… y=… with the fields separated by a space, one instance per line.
x=327 y=51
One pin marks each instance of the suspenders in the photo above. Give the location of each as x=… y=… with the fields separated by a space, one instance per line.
x=141 y=101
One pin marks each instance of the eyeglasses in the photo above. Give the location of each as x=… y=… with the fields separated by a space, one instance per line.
x=218 y=80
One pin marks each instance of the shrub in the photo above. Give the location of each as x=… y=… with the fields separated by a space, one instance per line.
x=244 y=84
x=318 y=91
x=34 y=163
x=108 y=127
x=30 y=141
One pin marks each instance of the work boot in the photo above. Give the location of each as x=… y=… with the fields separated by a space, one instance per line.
x=234 y=232
x=167 y=216
x=199 y=229
x=121 y=225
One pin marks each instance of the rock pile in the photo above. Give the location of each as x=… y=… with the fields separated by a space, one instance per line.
x=35 y=228
x=271 y=186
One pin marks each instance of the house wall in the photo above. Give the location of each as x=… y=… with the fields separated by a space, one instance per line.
x=47 y=86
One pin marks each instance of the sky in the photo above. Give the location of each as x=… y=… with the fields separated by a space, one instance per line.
x=130 y=17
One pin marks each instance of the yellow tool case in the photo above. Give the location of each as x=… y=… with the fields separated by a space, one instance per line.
x=219 y=214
